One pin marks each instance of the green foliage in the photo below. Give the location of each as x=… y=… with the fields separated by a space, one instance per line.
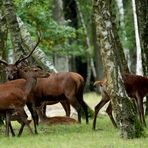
x=129 y=27
x=61 y=39
x=126 y=32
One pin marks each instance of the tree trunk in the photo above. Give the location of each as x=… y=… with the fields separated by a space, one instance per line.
x=3 y=38
x=123 y=33
x=16 y=37
x=13 y=27
x=90 y=62
x=139 y=69
x=38 y=54
x=142 y=14
x=124 y=112
x=61 y=61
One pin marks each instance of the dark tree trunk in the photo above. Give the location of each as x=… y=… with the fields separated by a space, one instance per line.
x=142 y=14
x=3 y=38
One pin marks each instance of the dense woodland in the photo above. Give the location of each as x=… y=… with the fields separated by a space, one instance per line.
x=98 y=39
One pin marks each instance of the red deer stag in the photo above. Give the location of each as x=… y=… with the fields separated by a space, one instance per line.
x=12 y=73
x=13 y=98
x=136 y=87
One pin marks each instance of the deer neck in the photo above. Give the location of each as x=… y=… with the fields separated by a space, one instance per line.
x=30 y=84
x=30 y=81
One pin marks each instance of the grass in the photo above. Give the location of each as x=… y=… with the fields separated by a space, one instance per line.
x=73 y=136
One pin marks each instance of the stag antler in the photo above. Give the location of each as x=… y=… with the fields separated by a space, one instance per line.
x=26 y=57
x=4 y=62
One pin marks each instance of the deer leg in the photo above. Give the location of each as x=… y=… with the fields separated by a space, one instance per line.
x=34 y=116
x=140 y=109
x=21 y=129
x=7 y=123
x=66 y=107
x=97 y=109
x=12 y=132
x=24 y=121
x=109 y=112
x=74 y=102
x=44 y=111
x=40 y=113
x=84 y=106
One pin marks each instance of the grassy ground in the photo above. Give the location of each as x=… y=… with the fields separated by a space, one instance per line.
x=73 y=136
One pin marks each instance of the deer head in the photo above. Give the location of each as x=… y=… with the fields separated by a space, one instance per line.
x=13 y=69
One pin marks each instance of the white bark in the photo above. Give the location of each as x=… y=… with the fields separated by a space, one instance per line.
x=61 y=61
x=38 y=54
x=87 y=40
x=122 y=24
x=139 y=69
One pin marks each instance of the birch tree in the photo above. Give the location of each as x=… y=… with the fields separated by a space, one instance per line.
x=61 y=61
x=13 y=27
x=142 y=15
x=18 y=31
x=124 y=112
x=90 y=62
x=139 y=69
x=38 y=54
x=123 y=30
x=3 y=38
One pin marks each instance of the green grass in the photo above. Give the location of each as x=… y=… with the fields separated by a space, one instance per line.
x=73 y=136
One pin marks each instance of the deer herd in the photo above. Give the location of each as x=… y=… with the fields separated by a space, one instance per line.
x=34 y=87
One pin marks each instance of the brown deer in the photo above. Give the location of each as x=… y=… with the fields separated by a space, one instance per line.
x=136 y=87
x=13 y=98
x=70 y=86
x=59 y=120
x=12 y=73
x=105 y=98
x=59 y=87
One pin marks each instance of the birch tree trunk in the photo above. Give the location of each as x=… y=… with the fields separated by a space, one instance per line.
x=124 y=112
x=61 y=61
x=123 y=31
x=3 y=38
x=16 y=37
x=90 y=62
x=97 y=56
x=142 y=15
x=13 y=27
x=38 y=54
x=139 y=69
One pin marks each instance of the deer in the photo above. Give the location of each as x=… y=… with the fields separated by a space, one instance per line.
x=13 y=98
x=62 y=86
x=12 y=73
x=66 y=93
x=136 y=88
x=60 y=120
